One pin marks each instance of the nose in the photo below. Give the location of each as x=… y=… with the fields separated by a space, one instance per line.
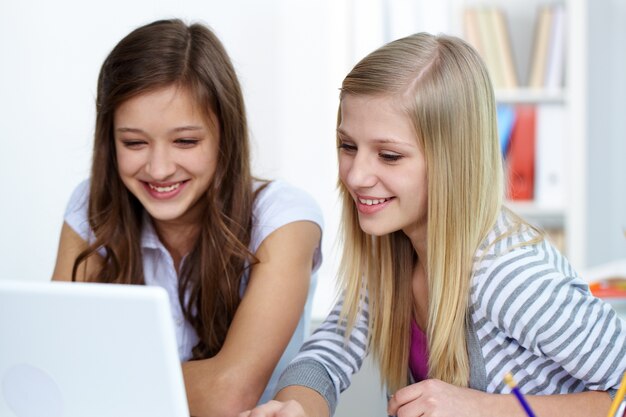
x=358 y=171
x=161 y=164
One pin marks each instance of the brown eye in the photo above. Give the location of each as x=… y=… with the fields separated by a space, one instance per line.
x=347 y=147
x=186 y=142
x=389 y=157
x=133 y=143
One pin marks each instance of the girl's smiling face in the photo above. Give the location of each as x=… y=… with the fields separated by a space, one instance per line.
x=382 y=165
x=166 y=152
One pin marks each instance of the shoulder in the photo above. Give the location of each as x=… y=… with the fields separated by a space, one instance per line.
x=80 y=196
x=528 y=291
x=76 y=212
x=520 y=269
x=279 y=203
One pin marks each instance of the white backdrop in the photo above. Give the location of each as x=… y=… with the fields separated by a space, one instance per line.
x=291 y=56
x=51 y=53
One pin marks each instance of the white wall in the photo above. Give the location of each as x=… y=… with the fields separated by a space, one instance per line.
x=606 y=133
x=290 y=56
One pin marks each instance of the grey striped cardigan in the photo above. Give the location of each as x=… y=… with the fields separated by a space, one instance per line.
x=530 y=314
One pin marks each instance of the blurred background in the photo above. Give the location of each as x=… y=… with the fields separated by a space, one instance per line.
x=291 y=56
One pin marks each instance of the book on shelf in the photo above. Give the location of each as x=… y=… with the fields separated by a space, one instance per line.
x=505 y=52
x=520 y=159
x=548 y=53
x=534 y=146
x=506 y=119
x=487 y=35
x=470 y=30
x=554 y=73
x=486 y=29
x=540 y=47
x=551 y=156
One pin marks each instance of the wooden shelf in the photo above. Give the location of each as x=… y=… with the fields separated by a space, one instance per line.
x=543 y=216
x=531 y=96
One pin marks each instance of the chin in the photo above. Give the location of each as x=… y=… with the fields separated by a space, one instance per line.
x=163 y=215
x=375 y=230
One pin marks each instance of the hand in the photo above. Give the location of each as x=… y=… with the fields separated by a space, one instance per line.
x=435 y=398
x=289 y=408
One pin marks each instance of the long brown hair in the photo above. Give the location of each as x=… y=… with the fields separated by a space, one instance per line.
x=449 y=98
x=157 y=55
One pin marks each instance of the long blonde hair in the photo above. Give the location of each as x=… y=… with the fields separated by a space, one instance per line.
x=449 y=98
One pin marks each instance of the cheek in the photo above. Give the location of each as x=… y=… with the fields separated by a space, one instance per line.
x=201 y=166
x=127 y=162
x=205 y=162
x=344 y=168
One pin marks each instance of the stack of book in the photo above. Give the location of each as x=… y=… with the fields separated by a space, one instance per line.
x=486 y=29
x=532 y=132
x=548 y=55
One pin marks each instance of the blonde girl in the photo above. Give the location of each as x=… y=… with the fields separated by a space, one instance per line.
x=446 y=288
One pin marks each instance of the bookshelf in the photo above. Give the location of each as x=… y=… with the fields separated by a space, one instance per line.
x=564 y=217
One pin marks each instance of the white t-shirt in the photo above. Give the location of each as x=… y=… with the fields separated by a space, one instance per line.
x=275 y=206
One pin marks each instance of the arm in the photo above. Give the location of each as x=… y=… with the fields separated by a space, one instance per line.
x=311 y=384
x=312 y=403
x=70 y=246
x=293 y=401
x=536 y=302
x=434 y=397
x=265 y=320
x=534 y=309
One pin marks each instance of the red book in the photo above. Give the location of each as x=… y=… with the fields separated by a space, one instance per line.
x=521 y=156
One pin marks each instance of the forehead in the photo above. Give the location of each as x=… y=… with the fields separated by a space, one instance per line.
x=171 y=103
x=159 y=97
x=376 y=118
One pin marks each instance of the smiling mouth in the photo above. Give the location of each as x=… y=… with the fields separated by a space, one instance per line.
x=373 y=202
x=164 y=189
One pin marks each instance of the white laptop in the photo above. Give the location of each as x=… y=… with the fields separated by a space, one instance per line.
x=88 y=350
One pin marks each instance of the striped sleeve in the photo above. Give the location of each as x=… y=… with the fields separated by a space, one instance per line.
x=535 y=297
x=327 y=360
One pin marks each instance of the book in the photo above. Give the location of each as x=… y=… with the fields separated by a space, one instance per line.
x=504 y=49
x=520 y=163
x=486 y=31
x=554 y=71
x=551 y=156
x=470 y=30
x=540 y=47
x=506 y=118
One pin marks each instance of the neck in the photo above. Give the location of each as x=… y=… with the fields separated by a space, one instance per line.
x=178 y=238
x=417 y=235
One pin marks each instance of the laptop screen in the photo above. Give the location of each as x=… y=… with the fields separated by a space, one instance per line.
x=86 y=349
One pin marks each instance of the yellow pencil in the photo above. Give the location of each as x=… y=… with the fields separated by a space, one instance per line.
x=618 y=397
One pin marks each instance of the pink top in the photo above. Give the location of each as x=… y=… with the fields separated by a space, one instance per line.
x=418 y=355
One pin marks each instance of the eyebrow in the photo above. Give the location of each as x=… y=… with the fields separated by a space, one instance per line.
x=380 y=141
x=177 y=129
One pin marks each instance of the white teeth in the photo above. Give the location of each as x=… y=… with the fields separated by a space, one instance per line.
x=164 y=189
x=372 y=202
